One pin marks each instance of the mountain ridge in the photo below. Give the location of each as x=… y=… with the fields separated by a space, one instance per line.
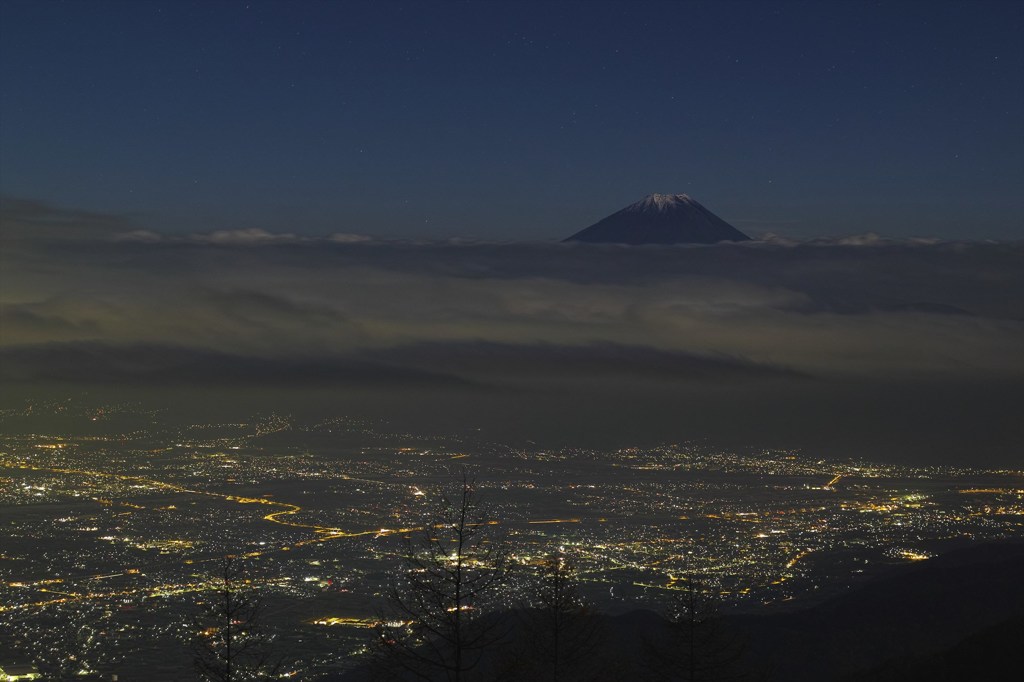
x=660 y=219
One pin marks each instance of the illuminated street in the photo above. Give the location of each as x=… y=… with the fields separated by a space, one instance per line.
x=141 y=519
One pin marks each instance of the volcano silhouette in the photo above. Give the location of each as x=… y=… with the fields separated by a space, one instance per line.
x=661 y=219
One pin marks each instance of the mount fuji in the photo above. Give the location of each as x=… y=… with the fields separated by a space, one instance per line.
x=661 y=219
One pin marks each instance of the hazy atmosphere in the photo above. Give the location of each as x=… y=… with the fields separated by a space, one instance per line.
x=511 y=341
x=891 y=347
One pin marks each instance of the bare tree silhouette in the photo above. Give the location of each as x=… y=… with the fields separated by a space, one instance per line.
x=694 y=646
x=231 y=644
x=562 y=635
x=452 y=569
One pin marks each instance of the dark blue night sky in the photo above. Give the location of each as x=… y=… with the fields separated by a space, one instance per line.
x=518 y=120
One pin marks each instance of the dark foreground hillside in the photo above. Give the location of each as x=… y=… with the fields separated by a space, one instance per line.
x=993 y=654
x=959 y=616
x=959 y=604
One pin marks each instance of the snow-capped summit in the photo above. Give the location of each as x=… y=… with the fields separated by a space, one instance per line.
x=661 y=219
x=661 y=202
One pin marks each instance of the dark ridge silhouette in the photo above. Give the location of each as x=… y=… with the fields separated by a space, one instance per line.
x=958 y=616
x=992 y=654
x=912 y=611
x=661 y=219
x=619 y=657
x=929 y=308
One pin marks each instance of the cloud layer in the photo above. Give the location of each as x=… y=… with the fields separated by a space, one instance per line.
x=97 y=300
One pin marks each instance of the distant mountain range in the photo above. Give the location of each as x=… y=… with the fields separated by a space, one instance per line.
x=661 y=219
